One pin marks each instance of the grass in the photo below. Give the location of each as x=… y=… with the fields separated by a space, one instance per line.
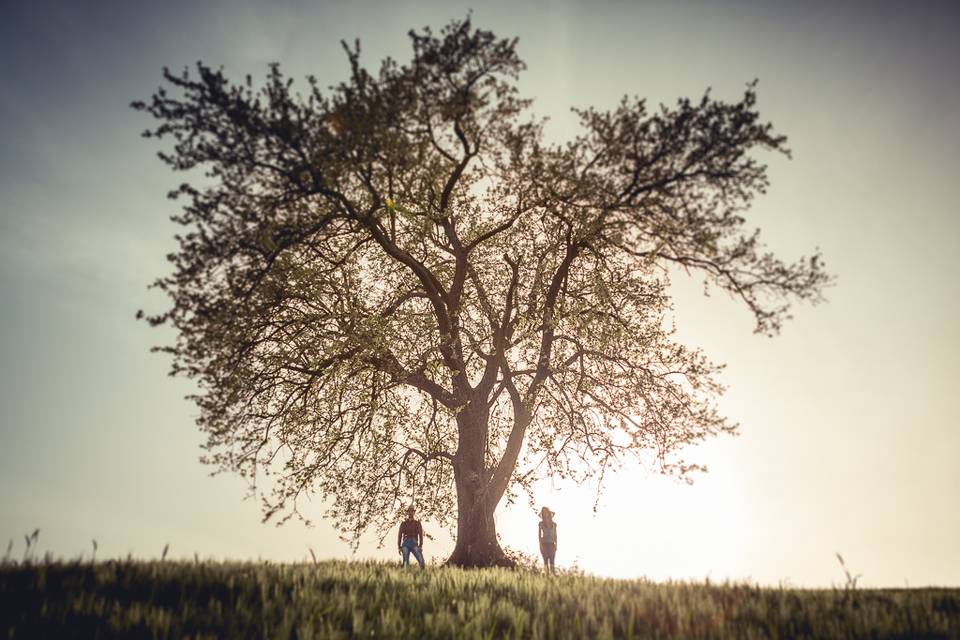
x=179 y=599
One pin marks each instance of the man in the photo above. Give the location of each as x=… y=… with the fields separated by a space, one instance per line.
x=410 y=538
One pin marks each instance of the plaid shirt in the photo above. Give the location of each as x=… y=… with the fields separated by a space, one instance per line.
x=410 y=529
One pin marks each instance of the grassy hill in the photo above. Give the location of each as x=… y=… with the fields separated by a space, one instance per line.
x=350 y=599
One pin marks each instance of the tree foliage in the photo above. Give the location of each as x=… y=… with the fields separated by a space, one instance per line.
x=395 y=289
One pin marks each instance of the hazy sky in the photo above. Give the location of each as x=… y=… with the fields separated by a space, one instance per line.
x=850 y=428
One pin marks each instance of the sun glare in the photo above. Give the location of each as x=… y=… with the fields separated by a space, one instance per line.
x=645 y=524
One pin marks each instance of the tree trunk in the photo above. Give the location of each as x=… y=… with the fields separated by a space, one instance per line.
x=477 y=544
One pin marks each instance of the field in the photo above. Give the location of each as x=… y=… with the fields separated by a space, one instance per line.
x=352 y=599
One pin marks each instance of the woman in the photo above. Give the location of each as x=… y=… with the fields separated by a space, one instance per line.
x=548 y=538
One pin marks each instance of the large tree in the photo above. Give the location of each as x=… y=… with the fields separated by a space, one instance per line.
x=396 y=290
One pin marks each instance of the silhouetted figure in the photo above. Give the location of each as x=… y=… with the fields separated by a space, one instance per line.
x=548 y=539
x=410 y=539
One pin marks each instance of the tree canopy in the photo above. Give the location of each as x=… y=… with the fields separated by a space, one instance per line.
x=397 y=290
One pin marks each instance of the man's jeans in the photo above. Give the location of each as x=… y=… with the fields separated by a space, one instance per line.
x=410 y=544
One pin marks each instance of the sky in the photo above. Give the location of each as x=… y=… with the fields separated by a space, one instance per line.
x=849 y=426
